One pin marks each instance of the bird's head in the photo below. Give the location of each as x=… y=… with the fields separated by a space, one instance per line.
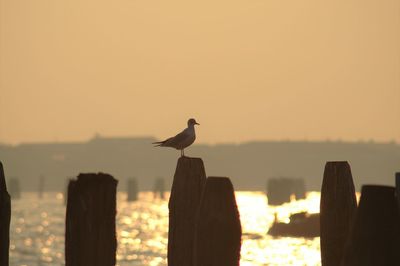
x=192 y=122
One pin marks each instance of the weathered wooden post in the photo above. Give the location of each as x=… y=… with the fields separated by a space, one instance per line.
x=375 y=235
x=218 y=229
x=398 y=188
x=90 y=238
x=14 y=188
x=337 y=209
x=5 y=218
x=187 y=187
x=132 y=189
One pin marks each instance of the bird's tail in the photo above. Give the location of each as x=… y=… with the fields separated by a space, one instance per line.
x=158 y=143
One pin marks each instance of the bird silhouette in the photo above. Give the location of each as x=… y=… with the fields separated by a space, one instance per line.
x=182 y=140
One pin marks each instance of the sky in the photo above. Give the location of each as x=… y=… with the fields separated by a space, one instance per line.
x=245 y=69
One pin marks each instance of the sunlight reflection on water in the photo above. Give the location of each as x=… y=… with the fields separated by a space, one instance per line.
x=37 y=231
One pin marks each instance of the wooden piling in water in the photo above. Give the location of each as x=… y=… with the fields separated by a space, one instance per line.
x=279 y=190
x=90 y=238
x=375 y=235
x=132 y=189
x=187 y=188
x=159 y=188
x=337 y=209
x=397 y=177
x=299 y=188
x=5 y=218
x=218 y=229
x=14 y=188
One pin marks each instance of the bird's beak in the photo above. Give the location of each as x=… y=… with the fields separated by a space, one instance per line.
x=197 y=123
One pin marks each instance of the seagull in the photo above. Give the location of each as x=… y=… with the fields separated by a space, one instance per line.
x=182 y=140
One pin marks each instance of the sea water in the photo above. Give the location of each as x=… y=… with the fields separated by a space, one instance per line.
x=38 y=226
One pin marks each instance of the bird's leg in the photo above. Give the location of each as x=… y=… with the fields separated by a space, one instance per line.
x=181 y=153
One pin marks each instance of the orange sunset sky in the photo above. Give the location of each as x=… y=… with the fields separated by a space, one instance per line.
x=246 y=70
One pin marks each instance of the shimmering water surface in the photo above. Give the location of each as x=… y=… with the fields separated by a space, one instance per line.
x=37 y=231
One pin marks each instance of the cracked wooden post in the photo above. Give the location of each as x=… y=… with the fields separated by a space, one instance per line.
x=375 y=235
x=187 y=187
x=5 y=218
x=90 y=238
x=218 y=229
x=132 y=189
x=337 y=209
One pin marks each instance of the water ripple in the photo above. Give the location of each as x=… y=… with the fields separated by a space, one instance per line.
x=37 y=231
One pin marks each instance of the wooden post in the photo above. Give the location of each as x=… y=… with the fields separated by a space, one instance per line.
x=14 y=188
x=132 y=189
x=337 y=209
x=159 y=188
x=90 y=238
x=299 y=188
x=187 y=187
x=375 y=235
x=5 y=218
x=218 y=228
x=279 y=190
x=398 y=188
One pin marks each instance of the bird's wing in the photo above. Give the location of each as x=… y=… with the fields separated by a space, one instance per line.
x=175 y=141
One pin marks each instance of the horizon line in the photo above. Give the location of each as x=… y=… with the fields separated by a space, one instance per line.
x=152 y=138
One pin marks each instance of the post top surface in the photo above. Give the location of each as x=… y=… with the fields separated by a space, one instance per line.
x=88 y=177
x=377 y=188
x=185 y=158
x=337 y=162
x=218 y=180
